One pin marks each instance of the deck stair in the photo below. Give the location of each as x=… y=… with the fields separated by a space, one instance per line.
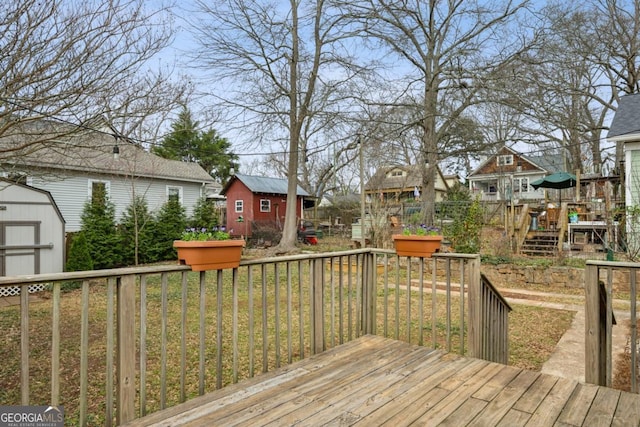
x=540 y=243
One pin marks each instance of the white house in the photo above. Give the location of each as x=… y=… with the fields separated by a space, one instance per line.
x=625 y=129
x=71 y=168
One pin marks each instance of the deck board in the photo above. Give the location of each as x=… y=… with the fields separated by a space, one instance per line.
x=379 y=381
x=535 y=394
x=578 y=404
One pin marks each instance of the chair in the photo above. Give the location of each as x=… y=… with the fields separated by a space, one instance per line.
x=552 y=218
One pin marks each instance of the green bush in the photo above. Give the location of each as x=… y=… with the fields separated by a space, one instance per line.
x=204 y=215
x=79 y=258
x=170 y=222
x=465 y=230
x=136 y=232
x=99 y=228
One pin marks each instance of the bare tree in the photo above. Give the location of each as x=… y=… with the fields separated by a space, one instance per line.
x=281 y=67
x=84 y=63
x=615 y=37
x=449 y=53
x=568 y=87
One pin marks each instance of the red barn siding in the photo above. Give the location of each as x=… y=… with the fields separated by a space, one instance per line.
x=251 y=209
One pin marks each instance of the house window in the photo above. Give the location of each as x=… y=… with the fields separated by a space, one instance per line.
x=99 y=191
x=396 y=173
x=175 y=193
x=505 y=160
x=265 y=205
x=521 y=185
x=239 y=206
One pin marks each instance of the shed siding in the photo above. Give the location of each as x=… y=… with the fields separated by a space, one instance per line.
x=237 y=190
x=24 y=208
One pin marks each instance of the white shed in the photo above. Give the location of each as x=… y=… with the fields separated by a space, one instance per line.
x=32 y=231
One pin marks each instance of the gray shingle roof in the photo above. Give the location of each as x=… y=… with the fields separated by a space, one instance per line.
x=265 y=185
x=93 y=152
x=550 y=164
x=626 y=121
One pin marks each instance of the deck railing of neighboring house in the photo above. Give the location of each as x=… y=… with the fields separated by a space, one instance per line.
x=600 y=318
x=135 y=340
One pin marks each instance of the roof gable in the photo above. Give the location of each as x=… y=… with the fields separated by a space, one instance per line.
x=401 y=177
x=7 y=185
x=264 y=185
x=626 y=120
x=507 y=160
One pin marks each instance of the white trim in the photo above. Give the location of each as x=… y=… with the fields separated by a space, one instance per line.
x=268 y=207
x=508 y=159
x=107 y=187
x=180 y=192
x=239 y=206
x=629 y=137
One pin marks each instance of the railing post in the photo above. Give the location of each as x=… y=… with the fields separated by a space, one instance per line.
x=126 y=349
x=368 y=293
x=317 y=307
x=474 y=333
x=594 y=372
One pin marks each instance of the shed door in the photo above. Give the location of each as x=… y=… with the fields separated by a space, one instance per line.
x=19 y=248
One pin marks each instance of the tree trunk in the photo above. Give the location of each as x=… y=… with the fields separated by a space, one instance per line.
x=289 y=232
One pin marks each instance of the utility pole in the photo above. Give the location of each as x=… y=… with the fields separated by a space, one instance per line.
x=363 y=239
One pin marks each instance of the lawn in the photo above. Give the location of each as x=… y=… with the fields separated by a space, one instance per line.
x=533 y=334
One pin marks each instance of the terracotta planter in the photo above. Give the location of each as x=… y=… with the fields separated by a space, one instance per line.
x=209 y=254
x=416 y=246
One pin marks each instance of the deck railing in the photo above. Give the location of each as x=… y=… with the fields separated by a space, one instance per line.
x=135 y=340
x=600 y=279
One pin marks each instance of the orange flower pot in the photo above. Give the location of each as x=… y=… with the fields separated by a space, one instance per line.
x=416 y=246
x=209 y=254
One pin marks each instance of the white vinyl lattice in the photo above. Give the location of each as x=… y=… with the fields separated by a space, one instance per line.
x=15 y=290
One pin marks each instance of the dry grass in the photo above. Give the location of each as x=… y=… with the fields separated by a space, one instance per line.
x=622 y=375
x=533 y=335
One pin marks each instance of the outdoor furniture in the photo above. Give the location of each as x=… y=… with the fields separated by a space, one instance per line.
x=594 y=232
x=551 y=218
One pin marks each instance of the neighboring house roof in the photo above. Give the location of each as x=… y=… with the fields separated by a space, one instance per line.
x=545 y=164
x=332 y=200
x=264 y=185
x=413 y=178
x=626 y=121
x=93 y=152
x=452 y=179
x=551 y=164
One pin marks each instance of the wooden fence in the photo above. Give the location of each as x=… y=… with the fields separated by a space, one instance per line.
x=135 y=340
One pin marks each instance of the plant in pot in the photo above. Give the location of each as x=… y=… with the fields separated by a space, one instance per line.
x=573 y=216
x=419 y=241
x=204 y=249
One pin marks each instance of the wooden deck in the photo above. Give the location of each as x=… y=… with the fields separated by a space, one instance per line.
x=378 y=381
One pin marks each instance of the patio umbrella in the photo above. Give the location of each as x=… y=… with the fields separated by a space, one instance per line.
x=557 y=180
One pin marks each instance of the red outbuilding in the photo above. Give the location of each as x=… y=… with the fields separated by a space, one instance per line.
x=256 y=201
